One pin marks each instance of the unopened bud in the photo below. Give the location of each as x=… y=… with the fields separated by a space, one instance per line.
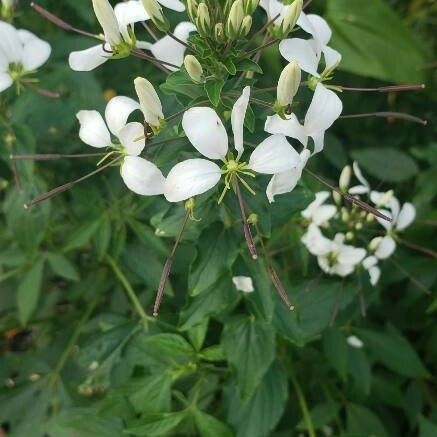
x=370 y=218
x=235 y=19
x=246 y=25
x=250 y=6
x=194 y=69
x=291 y=16
x=252 y=219
x=345 y=178
x=349 y=236
x=107 y=19
x=192 y=6
x=374 y=244
x=219 y=32
x=288 y=84
x=359 y=226
x=150 y=103
x=203 y=20
x=337 y=197
x=345 y=216
x=155 y=13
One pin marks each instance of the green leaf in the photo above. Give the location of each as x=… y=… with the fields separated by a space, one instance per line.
x=230 y=67
x=156 y=425
x=29 y=291
x=213 y=89
x=259 y=416
x=209 y=426
x=374 y=160
x=61 y=266
x=426 y=427
x=321 y=415
x=250 y=348
x=248 y=65
x=102 y=238
x=394 y=350
x=336 y=350
x=375 y=42
x=180 y=83
x=359 y=369
x=362 y=421
x=81 y=236
x=213 y=353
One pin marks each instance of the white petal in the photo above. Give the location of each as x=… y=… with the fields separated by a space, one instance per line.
x=355 y=342
x=35 y=51
x=108 y=21
x=10 y=43
x=117 y=112
x=369 y=262
x=358 y=189
x=190 y=178
x=237 y=120
x=301 y=51
x=406 y=216
x=319 y=141
x=129 y=136
x=274 y=155
x=176 y=5
x=350 y=255
x=206 y=132
x=323 y=214
x=342 y=269
x=375 y=274
x=5 y=81
x=141 y=176
x=359 y=175
x=321 y=31
x=130 y=12
x=93 y=130
x=332 y=57
x=324 y=109
x=321 y=197
x=243 y=283
x=386 y=248
x=384 y=223
x=290 y=128
x=315 y=242
x=88 y=59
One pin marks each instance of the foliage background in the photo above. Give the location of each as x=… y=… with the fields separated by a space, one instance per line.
x=76 y=362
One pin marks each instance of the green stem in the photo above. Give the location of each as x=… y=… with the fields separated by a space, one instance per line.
x=73 y=340
x=129 y=290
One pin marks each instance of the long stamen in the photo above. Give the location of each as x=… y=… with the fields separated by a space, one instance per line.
x=52 y=156
x=246 y=228
x=167 y=267
x=418 y=248
x=67 y=186
x=41 y=91
x=394 y=115
x=59 y=22
x=386 y=89
x=363 y=205
x=264 y=46
x=171 y=35
x=140 y=54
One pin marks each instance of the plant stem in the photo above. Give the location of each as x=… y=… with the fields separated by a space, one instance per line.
x=129 y=290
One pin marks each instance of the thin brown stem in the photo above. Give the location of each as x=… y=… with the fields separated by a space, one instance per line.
x=149 y=30
x=263 y=46
x=386 y=89
x=53 y=156
x=418 y=248
x=41 y=91
x=392 y=115
x=416 y=282
x=168 y=266
x=140 y=54
x=171 y=35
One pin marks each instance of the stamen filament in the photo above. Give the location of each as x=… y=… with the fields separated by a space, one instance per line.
x=386 y=89
x=395 y=115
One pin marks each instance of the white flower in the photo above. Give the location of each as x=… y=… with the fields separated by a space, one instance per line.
x=286 y=182
x=324 y=109
x=318 y=213
x=149 y=102
x=355 y=342
x=208 y=135
x=117 y=25
x=371 y=265
x=169 y=50
x=364 y=186
x=333 y=256
x=307 y=53
x=243 y=283
x=21 y=53
x=139 y=175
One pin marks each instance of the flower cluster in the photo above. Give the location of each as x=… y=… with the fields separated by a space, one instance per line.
x=345 y=240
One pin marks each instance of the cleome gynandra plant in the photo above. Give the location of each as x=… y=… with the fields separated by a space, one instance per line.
x=210 y=63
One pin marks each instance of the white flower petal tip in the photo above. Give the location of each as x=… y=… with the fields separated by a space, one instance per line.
x=132 y=138
x=176 y=5
x=130 y=12
x=386 y=248
x=190 y=178
x=88 y=59
x=406 y=216
x=141 y=176
x=237 y=119
x=93 y=130
x=206 y=132
x=274 y=155
x=301 y=51
x=243 y=283
x=117 y=112
x=354 y=342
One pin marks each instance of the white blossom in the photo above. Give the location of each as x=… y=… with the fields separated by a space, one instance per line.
x=370 y=264
x=364 y=186
x=207 y=134
x=317 y=212
x=324 y=109
x=139 y=175
x=243 y=283
x=21 y=53
x=355 y=342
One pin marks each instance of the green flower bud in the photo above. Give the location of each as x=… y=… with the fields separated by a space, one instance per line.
x=150 y=103
x=235 y=19
x=288 y=84
x=192 y=6
x=107 y=19
x=250 y=6
x=194 y=69
x=337 y=197
x=219 y=32
x=374 y=244
x=345 y=178
x=154 y=10
x=203 y=20
x=350 y=236
x=291 y=16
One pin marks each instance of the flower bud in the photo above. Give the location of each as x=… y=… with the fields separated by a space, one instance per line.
x=337 y=197
x=235 y=19
x=250 y=6
x=219 y=32
x=150 y=103
x=349 y=236
x=203 y=20
x=192 y=6
x=345 y=178
x=374 y=244
x=359 y=226
x=288 y=84
x=194 y=69
x=154 y=10
x=291 y=16
x=107 y=19
x=246 y=25
x=8 y=3
x=345 y=216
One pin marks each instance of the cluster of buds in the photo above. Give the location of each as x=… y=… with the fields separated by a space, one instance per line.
x=285 y=21
x=222 y=24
